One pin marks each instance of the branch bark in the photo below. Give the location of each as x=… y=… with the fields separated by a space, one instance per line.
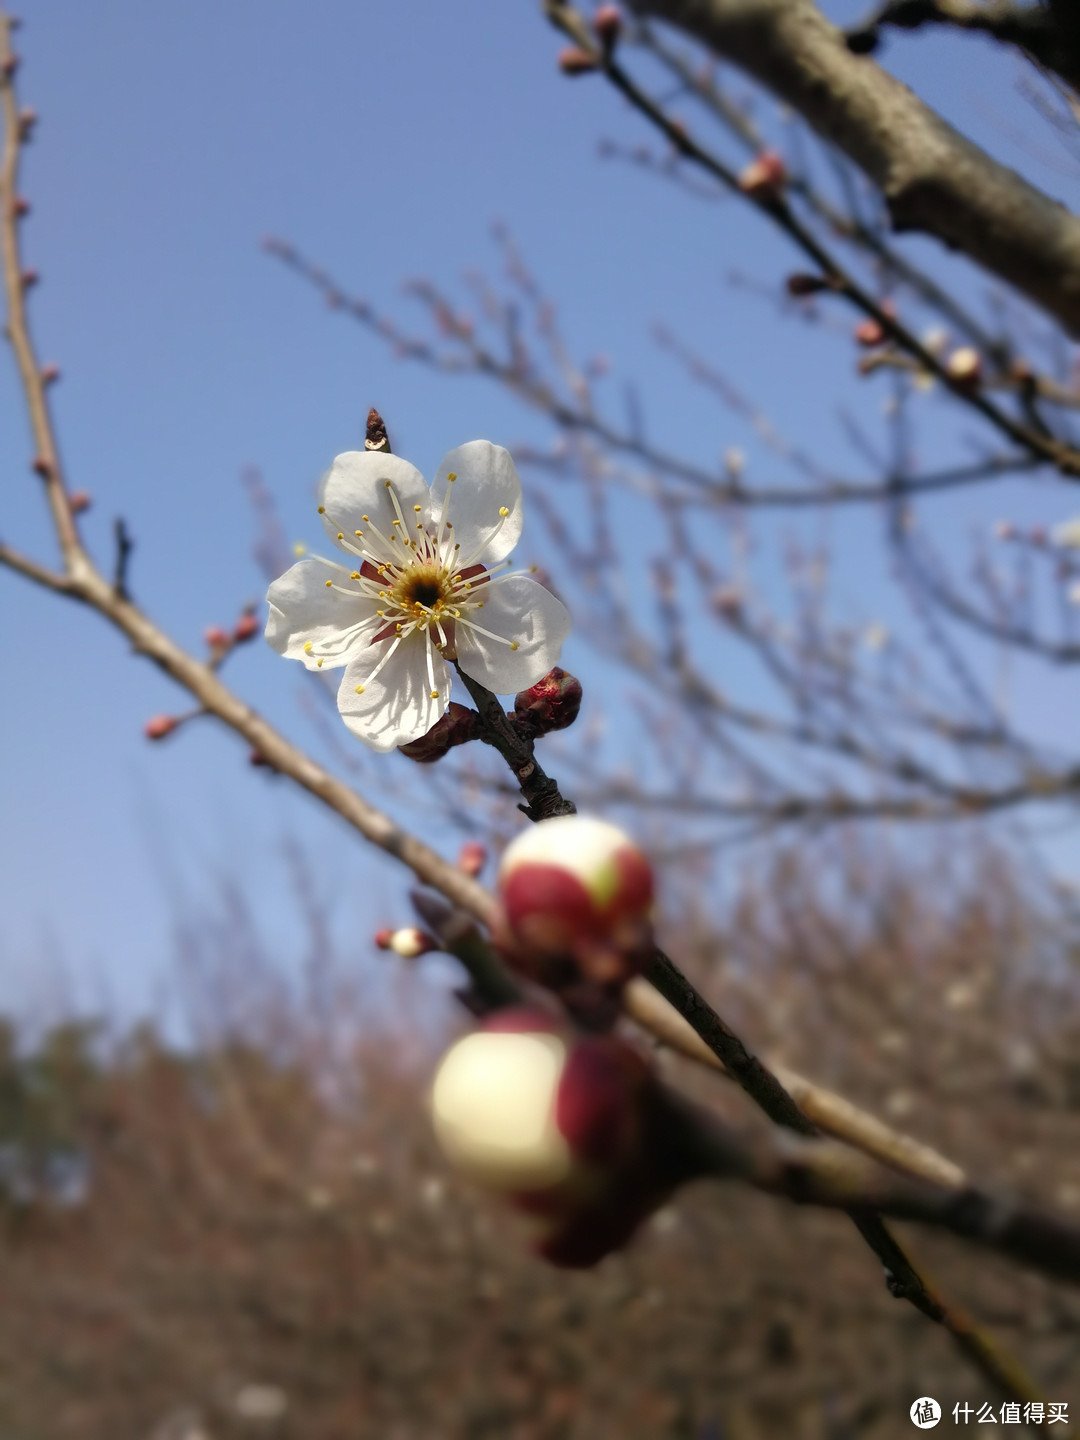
x=932 y=178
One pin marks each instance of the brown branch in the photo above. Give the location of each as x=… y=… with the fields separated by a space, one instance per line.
x=932 y=178
x=1048 y=33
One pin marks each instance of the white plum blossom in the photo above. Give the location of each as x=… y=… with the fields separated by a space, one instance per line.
x=426 y=582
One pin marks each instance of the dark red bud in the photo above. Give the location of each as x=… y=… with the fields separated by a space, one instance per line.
x=9 y=65
x=216 y=637
x=79 y=501
x=21 y=206
x=575 y=61
x=41 y=466
x=247 y=627
x=551 y=704
x=803 y=284
x=29 y=279
x=160 y=726
x=458 y=725
x=50 y=374
x=27 y=121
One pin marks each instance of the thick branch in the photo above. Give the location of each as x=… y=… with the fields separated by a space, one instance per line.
x=932 y=178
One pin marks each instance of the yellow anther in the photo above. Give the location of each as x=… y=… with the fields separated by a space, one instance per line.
x=359 y=534
x=395 y=522
x=354 y=574
x=299 y=548
x=322 y=509
x=328 y=584
x=319 y=662
x=360 y=689
x=457 y=546
x=419 y=525
x=364 y=518
x=434 y=694
x=480 y=604
x=503 y=512
x=380 y=612
x=307 y=647
x=417 y=509
x=341 y=534
x=514 y=645
x=452 y=476
x=388 y=484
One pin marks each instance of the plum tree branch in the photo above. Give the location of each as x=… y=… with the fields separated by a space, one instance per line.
x=932 y=179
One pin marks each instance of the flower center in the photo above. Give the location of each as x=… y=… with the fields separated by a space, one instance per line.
x=421 y=588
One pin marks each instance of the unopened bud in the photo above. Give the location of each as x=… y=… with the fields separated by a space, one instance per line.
x=409 y=942
x=160 y=726
x=28 y=279
x=456 y=727
x=964 y=367
x=50 y=374
x=567 y=1127
x=802 y=284
x=551 y=704
x=765 y=175
x=607 y=22
x=20 y=206
x=869 y=333
x=472 y=857
x=79 y=501
x=9 y=65
x=246 y=628
x=27 y=120
x=375 y=437
x=1004 y=529
x=576 y=61
x=42 y=466
x=575 y=889
x=216 y=636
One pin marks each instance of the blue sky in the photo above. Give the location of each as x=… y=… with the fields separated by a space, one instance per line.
x=383 y=139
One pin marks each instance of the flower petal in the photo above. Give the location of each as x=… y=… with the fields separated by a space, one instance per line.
x=517 y=608
x=396 y=705
x=303 y=611
x=355 y=486
x=486 y=483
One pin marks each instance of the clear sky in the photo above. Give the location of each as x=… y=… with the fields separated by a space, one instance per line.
x=383 y=139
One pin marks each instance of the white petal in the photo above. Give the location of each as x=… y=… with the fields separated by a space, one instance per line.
x=517 y=608
x=303 y=611
x=486 y=483
x=355 y=486
x=396 y=706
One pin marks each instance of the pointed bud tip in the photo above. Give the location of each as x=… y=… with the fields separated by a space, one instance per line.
x=576 y=61
x=160 y=726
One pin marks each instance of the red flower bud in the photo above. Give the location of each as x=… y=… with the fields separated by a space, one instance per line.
x=570 y=1128
x=457 y=726
x=551 y=704
x=575 y=61
x=409 y=942
x=21 y=206
x=27 y=121
x=160 y=726
x=964 y=367
x=246 y=628
x=79 y=501
x=29 y=278
x=869 y=333
x=41 y=466
x=216 y=636
x=766 y=175
x=472 y=857
x=50 y=374
x=575 y=896
x=607 y=22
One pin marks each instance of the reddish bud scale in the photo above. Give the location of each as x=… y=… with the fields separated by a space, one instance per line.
x=79 y=501
x=869 y=333
x=21 y=206
x=216 y=637
x=472 y=857
x=607 y=22
x=247 y=627
x=802 y=284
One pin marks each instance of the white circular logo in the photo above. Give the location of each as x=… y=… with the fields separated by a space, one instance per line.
x=925 y=1413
